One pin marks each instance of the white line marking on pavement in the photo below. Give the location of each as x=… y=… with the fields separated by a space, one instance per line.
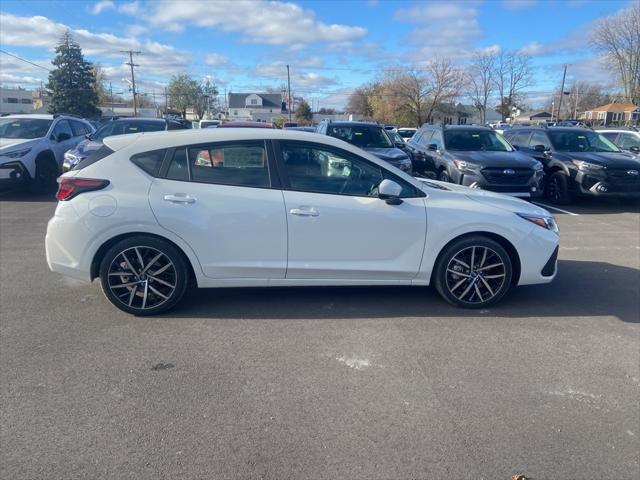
x=557 y=209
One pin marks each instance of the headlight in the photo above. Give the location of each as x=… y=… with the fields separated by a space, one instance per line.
x=544 y=221
x=70 y=157
x=16 y=153
x=586 y=166
x=462 y=165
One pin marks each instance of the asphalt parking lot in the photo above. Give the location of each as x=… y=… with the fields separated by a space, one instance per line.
x=354 y=383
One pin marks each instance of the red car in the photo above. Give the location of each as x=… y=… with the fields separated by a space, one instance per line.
x=245 y=125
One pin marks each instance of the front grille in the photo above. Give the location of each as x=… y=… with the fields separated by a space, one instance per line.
x=521 y=176
x=620 y=176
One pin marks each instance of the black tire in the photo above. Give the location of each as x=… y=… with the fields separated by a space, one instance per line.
x=444 y=177
x=170 y=269
x=458 y=287
x=557 y=189
x=46 y=175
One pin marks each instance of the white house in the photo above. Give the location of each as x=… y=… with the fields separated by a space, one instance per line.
x=16 y=100
x=254 y=106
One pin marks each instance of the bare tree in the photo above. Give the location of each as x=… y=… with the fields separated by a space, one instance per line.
x=581 y=96
x=446 y=84
x=512 y=74
x=481 y=80
x=360 y=101
x=618 y=37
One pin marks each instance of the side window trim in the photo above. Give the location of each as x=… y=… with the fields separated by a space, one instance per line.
x=286 y=184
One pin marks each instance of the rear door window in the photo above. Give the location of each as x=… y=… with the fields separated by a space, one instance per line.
x=241 y=164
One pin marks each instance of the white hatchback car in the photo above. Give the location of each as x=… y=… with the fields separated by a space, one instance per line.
x=151 y=213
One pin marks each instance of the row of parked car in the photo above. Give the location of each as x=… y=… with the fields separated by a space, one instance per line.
x=557 y=162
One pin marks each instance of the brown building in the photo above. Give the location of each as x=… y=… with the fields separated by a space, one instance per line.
x=624 y=113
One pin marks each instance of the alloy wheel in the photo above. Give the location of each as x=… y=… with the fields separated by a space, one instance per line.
x=475 y=274
x=142 y=277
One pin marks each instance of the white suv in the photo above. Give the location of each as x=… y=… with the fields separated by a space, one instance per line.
x=150 y=214
x=625 y=139
x=32 y=148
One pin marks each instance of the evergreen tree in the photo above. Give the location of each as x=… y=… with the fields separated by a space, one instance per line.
x=304 y=114
x=72 y=81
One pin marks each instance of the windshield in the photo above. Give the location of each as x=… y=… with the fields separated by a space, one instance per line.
x=583 y=141
x=24 y=127
x=474 y=140
x=362 y=136
x=406 y=133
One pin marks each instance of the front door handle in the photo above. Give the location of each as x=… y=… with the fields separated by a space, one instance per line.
x=304 y=212
x=181 y=198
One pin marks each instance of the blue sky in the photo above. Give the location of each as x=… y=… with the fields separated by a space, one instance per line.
x=331 y=45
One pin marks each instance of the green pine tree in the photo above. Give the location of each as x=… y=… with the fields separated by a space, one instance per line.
x=72 y=81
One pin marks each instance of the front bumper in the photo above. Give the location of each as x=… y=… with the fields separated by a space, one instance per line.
x=13 y=174
x=523 y=186
x=613 y=183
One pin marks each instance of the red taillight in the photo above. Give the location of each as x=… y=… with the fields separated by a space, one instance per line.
x=69 y=187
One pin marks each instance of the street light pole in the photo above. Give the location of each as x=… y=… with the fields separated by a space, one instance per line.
x=564 y=75
x=289 y=88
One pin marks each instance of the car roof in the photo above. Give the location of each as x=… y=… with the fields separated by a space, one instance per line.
x=245 y=124
x=459 y=127
x=140 y=119
x=355 y=124
x=36 y=116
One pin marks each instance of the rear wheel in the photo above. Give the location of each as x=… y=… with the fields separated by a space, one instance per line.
x=44 y=180
x=144 y=275
x=557 y=189
x=473 y=272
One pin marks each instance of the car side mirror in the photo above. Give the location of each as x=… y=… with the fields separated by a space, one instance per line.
x=540 y=148
x=390 y=191
x=432 y=147
x=635 y=149
x=62 y=136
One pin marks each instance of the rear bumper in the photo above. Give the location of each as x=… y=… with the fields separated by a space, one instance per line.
x=66 y=244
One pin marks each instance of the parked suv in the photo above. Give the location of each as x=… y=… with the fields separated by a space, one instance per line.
x=579 y=161
x=476 y=157
x=32 y=148
x=625 y=139
x=370 y=137
x=120 y=126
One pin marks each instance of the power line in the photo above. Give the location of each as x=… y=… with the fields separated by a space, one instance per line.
x=26 y=61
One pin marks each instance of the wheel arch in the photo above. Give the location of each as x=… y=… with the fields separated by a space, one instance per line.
x=45 y=155
x=502 y=241
x=102 y=250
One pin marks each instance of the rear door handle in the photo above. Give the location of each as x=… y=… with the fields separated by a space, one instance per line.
x=181 y=198
x=304 y=212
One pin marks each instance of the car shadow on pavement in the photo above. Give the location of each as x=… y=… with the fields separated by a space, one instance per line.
x=22 y=196
x=580 y=289
x=595 y=206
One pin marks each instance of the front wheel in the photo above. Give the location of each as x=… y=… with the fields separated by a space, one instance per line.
x=144 y=275
x=473 y=272
x=557 y=189
x=44 y=180
x=444 y=177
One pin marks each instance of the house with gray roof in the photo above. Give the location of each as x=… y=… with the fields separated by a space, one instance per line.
x=253 y=106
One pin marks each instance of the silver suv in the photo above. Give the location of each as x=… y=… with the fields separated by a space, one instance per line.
x=32 y=148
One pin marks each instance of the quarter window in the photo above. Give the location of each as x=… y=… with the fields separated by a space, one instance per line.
x=242 y=165
x=179 y=167
x=150 y=162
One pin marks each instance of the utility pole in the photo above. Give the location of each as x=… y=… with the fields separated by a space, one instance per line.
x=564 y=75
x=289 y=88
x=166 y=101
x=133 y=77
x=111 y=94
x=575 y=108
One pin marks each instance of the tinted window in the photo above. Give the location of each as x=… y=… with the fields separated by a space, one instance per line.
x=363 y=136
x=582 y=141
x=628 y=140
x=406 y=133
x=611 y=136
x=179 y=168
x=436 y=139
x=79 y=128
x=62 y=127
x=243 y=164
x=319 y=169
x=475 y=140
x=171 y=125
x=539 y=138
x=23 y=127
x=124 y=128
x=104 y=131
x=96 y=156
x=150 y=162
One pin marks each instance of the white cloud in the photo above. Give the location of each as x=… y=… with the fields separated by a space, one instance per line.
x=216 y=59
x=101 y=6
x=518 y=4
x=136 y=30
x=299 y=79
x=133 y=9
x=156 y=58
x=445 y=29
x=256 y=21
x=11 y=79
